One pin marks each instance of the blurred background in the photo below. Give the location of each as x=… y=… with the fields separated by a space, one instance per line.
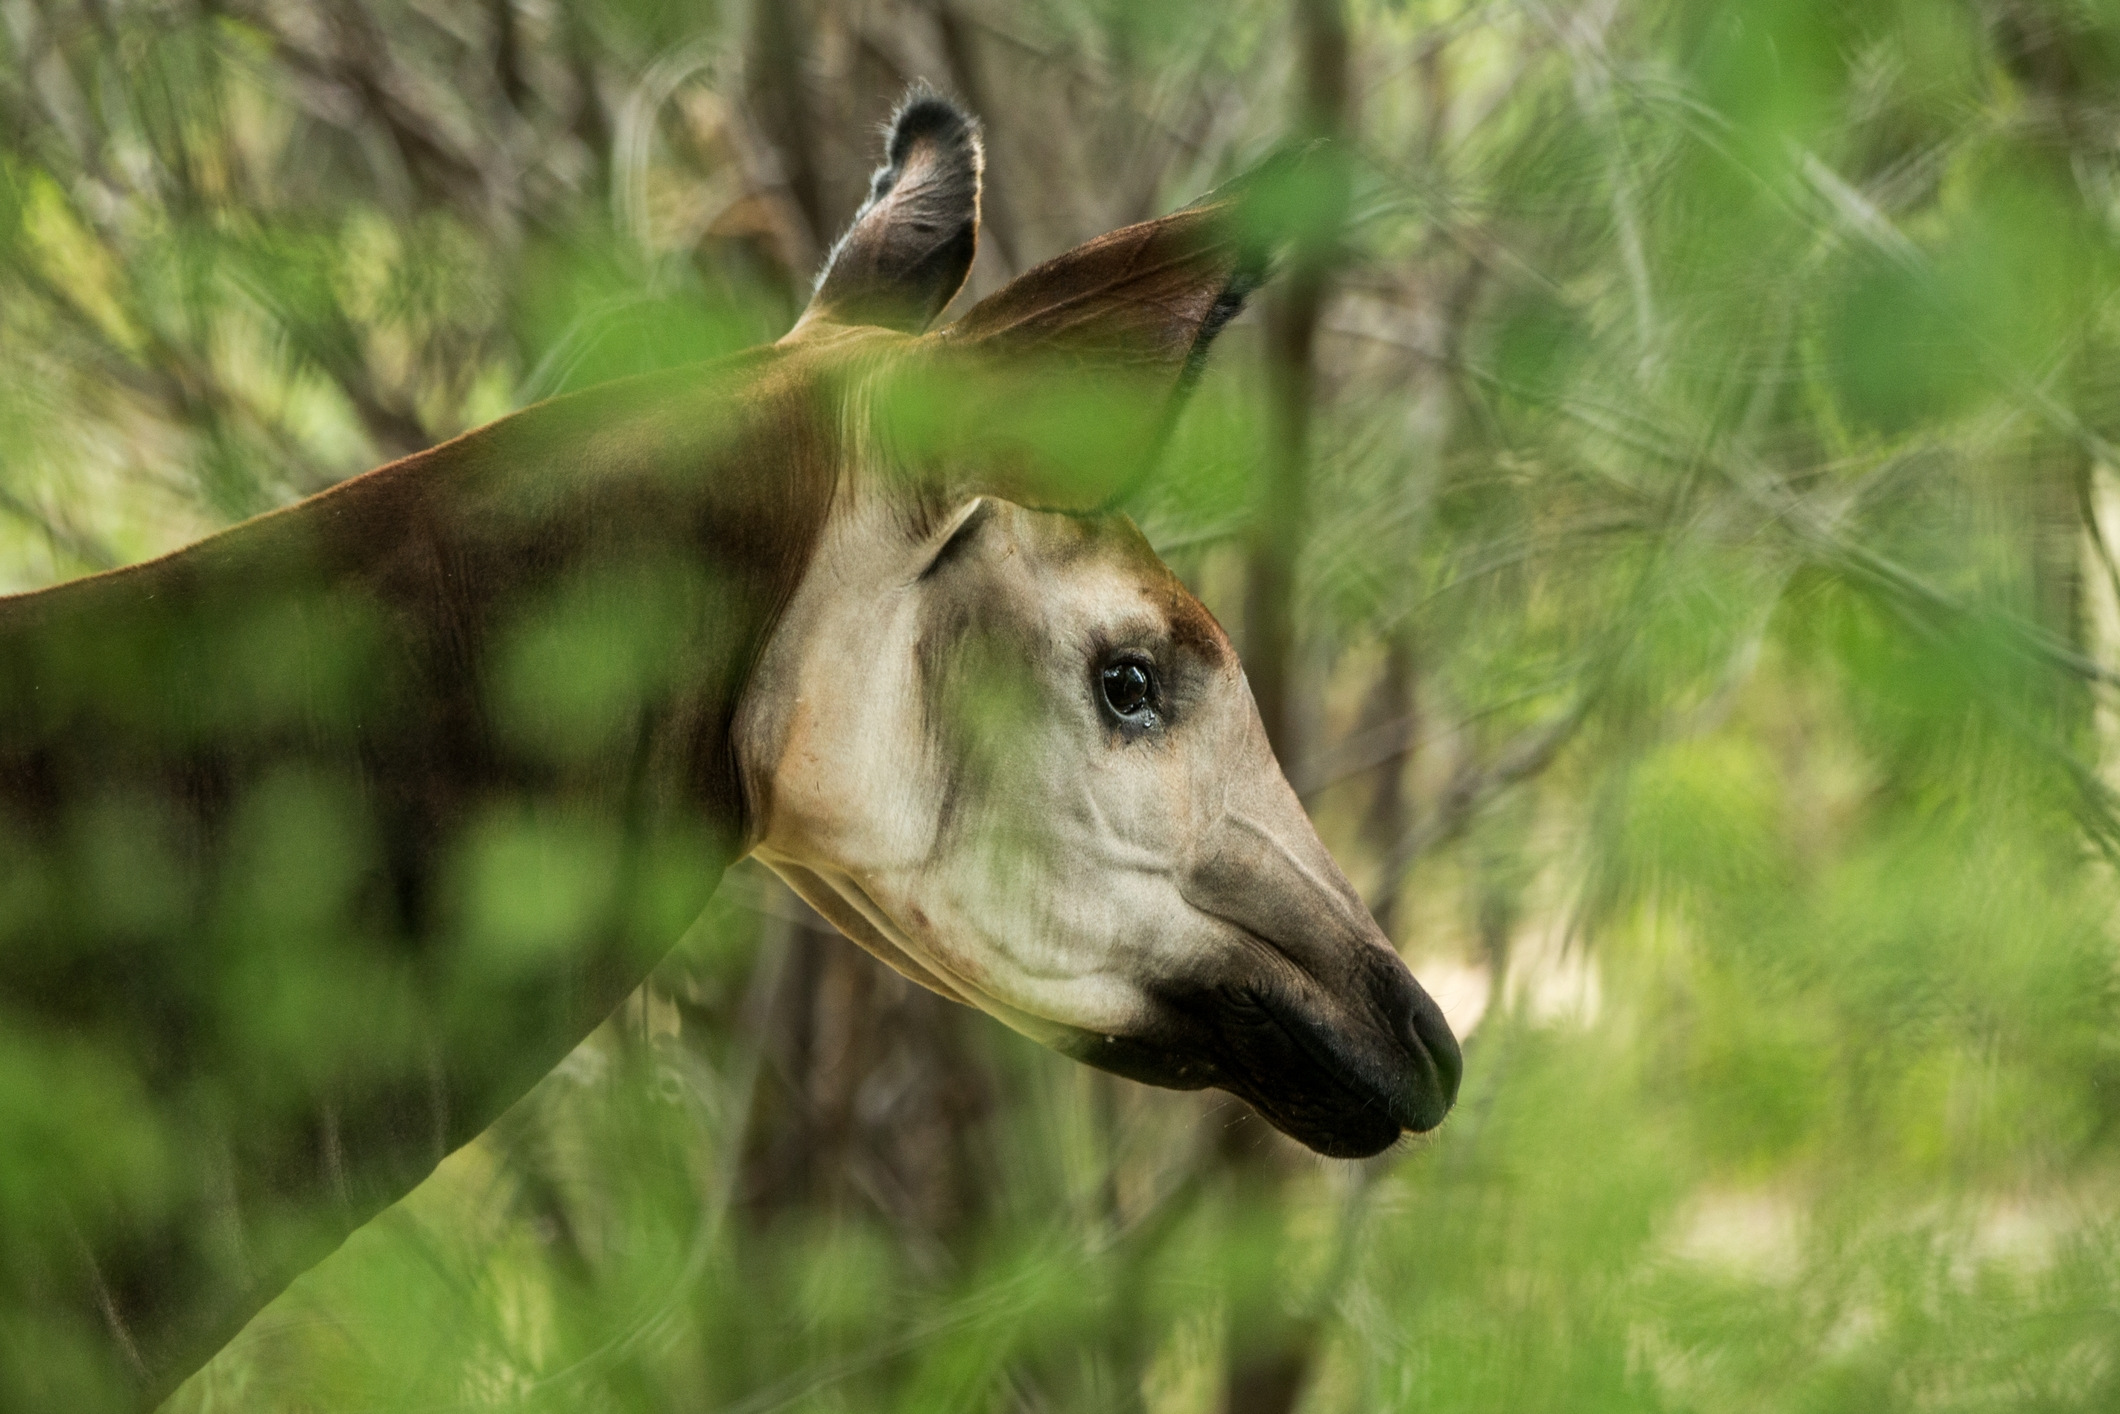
x=1667 y=513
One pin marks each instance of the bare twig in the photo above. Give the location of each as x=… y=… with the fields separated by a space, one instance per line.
x=1474 y=787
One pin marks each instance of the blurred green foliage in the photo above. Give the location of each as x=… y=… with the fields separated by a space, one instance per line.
x=1708 y=632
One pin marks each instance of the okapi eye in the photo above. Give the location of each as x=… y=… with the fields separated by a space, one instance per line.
x=1129 y=689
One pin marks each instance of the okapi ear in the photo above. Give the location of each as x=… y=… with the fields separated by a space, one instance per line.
x=1083 y=360
x=912 y=241
x=1149 y=297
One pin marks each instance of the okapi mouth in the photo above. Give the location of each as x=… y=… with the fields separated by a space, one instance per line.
x=1343 y=1089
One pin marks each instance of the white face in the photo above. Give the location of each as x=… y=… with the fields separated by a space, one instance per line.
x=1014 y=758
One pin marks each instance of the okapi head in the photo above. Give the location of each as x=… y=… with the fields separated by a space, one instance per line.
x=323 y=839
x=995 y=740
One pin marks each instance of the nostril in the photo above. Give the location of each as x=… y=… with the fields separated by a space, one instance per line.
x=1433 y=1032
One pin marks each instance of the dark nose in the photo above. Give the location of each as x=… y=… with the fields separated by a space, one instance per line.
x=1437 y=1063
x=1432 y=1032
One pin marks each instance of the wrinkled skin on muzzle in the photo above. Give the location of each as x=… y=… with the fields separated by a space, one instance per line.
x=1318 y=994
x=1014 y=758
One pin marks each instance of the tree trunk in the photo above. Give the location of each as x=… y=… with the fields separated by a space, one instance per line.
x=1270 y=1354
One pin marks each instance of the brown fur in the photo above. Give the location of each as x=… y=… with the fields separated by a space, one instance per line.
x=141 y=689
x=913 y=240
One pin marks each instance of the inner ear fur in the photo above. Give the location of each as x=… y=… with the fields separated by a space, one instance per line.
x=1057 y=390
x=912 y=242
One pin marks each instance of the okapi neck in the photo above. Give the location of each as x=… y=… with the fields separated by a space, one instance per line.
x=276 y=810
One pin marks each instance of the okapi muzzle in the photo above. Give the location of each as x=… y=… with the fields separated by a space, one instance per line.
x=322 y=840
x=1295 y=1002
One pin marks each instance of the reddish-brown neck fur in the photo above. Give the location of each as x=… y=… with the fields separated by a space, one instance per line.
x=374 y=648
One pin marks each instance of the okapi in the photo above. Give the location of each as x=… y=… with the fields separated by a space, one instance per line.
x=325 y=838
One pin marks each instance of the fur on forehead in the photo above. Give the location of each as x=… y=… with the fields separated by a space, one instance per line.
x=924 y=505
x=1061 y=540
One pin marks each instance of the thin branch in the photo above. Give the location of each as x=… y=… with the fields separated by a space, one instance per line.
x=1474 y=787
x=1812 y=530
x=1390 y=741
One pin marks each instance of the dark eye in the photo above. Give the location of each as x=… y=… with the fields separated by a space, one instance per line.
x=1129 y=689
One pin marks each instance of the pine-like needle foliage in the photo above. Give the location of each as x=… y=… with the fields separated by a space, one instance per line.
x=1669 y=506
